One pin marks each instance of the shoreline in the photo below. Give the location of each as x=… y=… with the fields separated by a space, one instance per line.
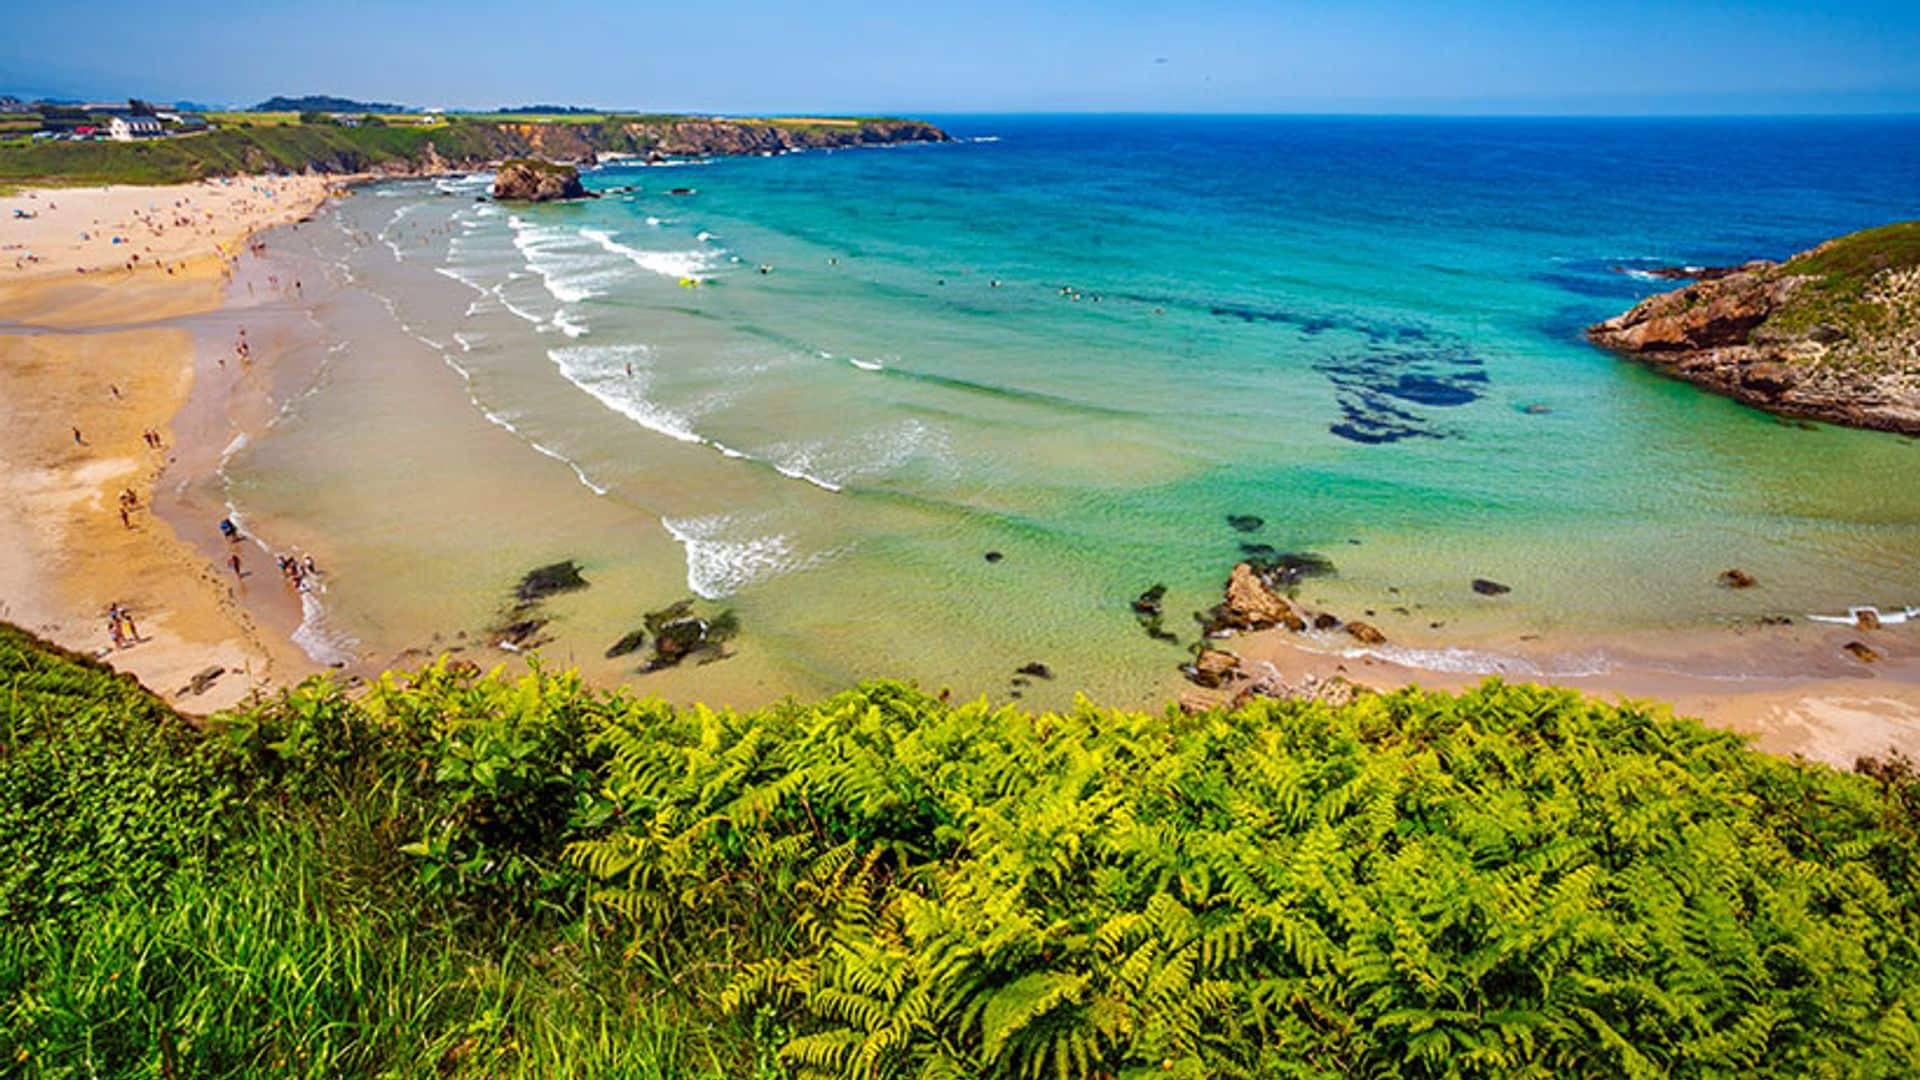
x=1830 y=708
x=1793 y=688
x=96 y=354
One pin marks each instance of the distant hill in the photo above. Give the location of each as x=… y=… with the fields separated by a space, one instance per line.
x=548 y=110
x=323 y=103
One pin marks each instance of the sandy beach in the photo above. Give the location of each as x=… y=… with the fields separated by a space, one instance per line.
x=89 y=369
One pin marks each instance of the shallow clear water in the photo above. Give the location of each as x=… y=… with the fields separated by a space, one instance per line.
x=1083 y=343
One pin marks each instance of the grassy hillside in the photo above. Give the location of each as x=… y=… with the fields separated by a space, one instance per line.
x=231 y=151
x=1843 y=273
x=281 y=142
x=464 y=875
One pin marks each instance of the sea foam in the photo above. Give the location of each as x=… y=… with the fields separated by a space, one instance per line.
x=673 y=264
x=721 y=562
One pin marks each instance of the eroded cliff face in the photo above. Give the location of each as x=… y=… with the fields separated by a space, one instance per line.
x=1831 y=334
x=690 y=137
x=537 y=181
x=470 y=145
x=695 y=137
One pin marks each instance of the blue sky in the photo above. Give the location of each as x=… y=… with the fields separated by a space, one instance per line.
x=1469 y=56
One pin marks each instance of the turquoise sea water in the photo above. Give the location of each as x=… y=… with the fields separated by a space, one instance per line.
x=1085 y=343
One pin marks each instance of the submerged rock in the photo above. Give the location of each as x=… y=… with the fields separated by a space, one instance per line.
x=1686 y=273
x=630 y=642
x=1149 y=602
x=1490 y=588
x=1245 y=523
x=1288 y=568
x=539 y=583
x=1148 y=608
x=518 y=635
x=1737 y=579
x=994 y=556
x=679 y=634
x=1036 y=669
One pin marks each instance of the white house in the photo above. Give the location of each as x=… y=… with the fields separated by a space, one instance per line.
x=129 y=128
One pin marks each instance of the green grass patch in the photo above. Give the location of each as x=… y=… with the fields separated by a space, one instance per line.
x=457 y=874
x=1841 y=274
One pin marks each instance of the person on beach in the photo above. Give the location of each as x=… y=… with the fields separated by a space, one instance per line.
x=77 y=440
x=133 y=631
x=233 y=561
x=229 y=530
x=124 y=519
x=113 y=627
x=311 y=569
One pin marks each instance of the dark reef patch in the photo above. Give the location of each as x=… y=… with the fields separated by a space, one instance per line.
x=1381 y=391
x=1396 y=369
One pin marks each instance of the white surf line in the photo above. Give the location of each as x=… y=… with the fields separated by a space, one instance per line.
x=656 y=419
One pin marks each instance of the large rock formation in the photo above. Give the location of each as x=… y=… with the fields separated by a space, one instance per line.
x=1830 y=334
x=1252 y=605
x=528 y=180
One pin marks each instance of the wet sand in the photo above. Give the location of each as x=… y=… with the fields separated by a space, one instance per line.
x=1793 y=689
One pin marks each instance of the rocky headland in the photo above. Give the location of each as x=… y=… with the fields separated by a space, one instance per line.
x=450 y=144
x=1830 y=334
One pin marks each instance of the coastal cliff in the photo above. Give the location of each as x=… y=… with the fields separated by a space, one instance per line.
x=1830 y=334
x=439 y=145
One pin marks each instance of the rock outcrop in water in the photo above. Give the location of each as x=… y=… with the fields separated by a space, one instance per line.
x=527 y=180
x=1830 y=334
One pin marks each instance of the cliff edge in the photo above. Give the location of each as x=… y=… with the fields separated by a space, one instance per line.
x=1830 y=334
x=435 y=145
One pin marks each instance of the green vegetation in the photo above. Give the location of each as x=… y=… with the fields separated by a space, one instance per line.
x=268 y=142
x=270 y=148
x=550 y=168
x=454 y=874
x=323 y=103
x=1842 y=271
x=320 y=888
